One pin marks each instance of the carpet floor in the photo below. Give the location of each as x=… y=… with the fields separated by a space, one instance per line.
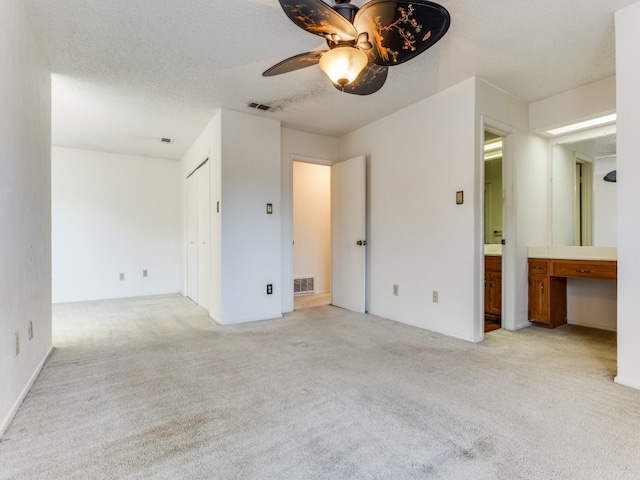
x=151 y=388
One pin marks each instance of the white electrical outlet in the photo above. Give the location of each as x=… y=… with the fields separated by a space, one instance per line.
x=145 y=273
x=17 y=343
x=121 y=276
x=395 y=289
x=435 y=296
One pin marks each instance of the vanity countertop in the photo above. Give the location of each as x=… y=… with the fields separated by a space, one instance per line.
x=574 y=253
x=492 y=249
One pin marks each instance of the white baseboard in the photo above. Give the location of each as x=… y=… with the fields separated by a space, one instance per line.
x=598 y=326
x=520 y=326
x=627 y=382
x=249 y=320
x=421 y=327
x=12 y=413
x=215 y=319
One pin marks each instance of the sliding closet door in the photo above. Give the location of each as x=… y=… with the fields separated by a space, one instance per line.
x=192 y=237
x=204 y=235
x=199 y=236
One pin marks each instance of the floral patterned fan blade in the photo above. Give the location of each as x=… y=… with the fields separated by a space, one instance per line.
x=318 y=18
x=294 y=63
x=369 y=81
x=399 y=30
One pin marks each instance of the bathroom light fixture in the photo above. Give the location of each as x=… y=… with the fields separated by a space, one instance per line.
x=491 y=156
x=493 y=145
x=574 y=127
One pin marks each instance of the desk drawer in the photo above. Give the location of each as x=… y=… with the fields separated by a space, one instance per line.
x=538 y=267
x=606 y=270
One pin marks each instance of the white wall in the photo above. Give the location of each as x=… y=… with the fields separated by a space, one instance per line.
x=312 y=223
x=563 y=185
x=207 y=145
x=592 y=303
x=605 y=204
x=628 y=150
x=113 y=214
x=25 y=207
x=307 y=147
x=418 y=237
x=251 y=248
x=526 y=172
x=581 y=103
x=244 y=155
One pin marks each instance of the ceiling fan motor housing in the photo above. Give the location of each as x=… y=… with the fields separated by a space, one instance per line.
x=344 y=8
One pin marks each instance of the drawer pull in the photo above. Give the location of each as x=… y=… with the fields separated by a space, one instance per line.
x=582 y=270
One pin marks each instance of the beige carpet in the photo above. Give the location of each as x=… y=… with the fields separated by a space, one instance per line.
x=313 y=300
x=150 y=388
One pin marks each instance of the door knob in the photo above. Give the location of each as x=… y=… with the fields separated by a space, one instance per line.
x=361 y=242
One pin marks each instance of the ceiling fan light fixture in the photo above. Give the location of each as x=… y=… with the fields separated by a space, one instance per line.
x=343 y=64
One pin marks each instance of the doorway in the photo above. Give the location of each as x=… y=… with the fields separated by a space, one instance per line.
x=493 y=229
x=311 y=234
x=583 y=203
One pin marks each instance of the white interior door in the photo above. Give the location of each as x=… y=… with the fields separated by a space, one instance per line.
x=348 y=230
x=204 y=235
x=192 y=237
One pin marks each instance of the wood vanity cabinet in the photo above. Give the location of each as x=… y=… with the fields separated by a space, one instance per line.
x=545 y=291
x=548 y=286
x=493 y=287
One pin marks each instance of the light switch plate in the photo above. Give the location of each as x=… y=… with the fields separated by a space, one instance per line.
x=459 y=197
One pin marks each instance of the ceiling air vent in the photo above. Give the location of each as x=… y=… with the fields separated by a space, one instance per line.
x=263 y=107
x=166 y=140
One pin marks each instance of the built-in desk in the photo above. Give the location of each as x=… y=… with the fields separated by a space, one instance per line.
x=548 y=284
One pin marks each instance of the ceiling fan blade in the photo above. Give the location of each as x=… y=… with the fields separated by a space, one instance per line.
x=294 y=63
x=400 y=30
x=369 y=81
x=318 y=18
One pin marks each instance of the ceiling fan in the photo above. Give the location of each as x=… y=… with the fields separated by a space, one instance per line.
x=363 y=42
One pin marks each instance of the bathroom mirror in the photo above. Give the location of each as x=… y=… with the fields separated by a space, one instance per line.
x=584 y=205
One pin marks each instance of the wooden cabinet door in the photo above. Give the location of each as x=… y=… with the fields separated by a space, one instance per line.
x=493 y=286
x=539 y=299
x=493 y=305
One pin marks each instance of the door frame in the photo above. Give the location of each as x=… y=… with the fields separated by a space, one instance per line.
x=508 y=228
x=287 y=224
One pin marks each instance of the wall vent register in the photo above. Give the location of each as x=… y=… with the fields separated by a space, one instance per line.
x=303 y=286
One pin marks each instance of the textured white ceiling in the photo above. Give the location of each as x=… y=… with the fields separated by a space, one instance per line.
x=128 y=72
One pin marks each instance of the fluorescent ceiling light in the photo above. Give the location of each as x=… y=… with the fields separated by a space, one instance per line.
x=491 y=156
x=583 y=125
x=492 y=145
